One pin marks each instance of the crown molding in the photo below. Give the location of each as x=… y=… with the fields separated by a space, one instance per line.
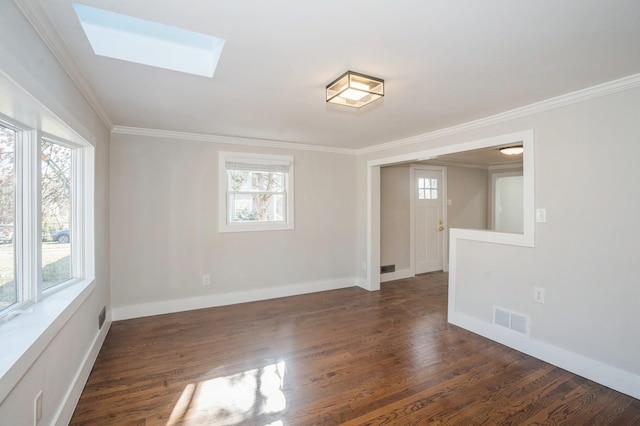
x=462 y=164
x=229 y=140
x=47 y=32
x=604 y=89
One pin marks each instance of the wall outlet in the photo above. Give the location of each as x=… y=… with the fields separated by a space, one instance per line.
x=538 y=294
x=37 y=408
x=364 y=266
x=206 y=279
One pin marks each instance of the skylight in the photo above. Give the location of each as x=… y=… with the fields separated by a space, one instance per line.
x=145 y=42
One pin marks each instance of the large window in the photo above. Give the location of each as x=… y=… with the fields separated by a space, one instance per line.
x=256 y=192
x=39 y=215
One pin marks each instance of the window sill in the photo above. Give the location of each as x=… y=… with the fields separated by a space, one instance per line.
x=249 y=227
x=27 y=335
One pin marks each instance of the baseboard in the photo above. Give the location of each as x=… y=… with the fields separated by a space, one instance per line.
x=397 y=275
x=611 y=377
x=361 y=282
x=67 y=407
x=223 y=299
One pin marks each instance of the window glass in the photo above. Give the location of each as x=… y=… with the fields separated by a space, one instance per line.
x=256 y=196
x=8 y=285
x=256 y=192
x=427 y=189
x=56 y=214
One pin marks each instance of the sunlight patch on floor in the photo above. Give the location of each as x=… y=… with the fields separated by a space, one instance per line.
x=233 y=399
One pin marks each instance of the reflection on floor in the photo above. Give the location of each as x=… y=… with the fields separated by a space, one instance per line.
x=338 y=357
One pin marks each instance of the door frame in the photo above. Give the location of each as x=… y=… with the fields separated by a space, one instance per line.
x=371 y=239
x=412 y=215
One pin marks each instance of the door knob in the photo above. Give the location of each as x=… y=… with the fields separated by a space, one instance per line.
x=441 y=228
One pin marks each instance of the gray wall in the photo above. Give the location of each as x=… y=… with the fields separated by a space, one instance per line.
x=394 y=216
x=467 y=188
x=164 y=226
x=585 y=256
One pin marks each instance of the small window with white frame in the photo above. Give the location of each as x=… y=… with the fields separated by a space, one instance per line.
x=256 y=192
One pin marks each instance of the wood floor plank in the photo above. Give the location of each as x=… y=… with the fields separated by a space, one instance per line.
x=338 y=357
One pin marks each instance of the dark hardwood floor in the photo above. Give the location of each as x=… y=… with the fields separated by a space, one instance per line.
x=338 y=357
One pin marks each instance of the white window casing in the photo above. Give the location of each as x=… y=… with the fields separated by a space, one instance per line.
x=278 y=214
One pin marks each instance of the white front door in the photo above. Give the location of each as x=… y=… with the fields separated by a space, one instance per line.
x=429 y=221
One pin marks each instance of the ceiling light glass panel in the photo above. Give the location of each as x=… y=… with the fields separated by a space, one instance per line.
x=123 y=37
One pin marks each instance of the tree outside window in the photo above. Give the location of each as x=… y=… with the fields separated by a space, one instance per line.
x=56 y=213
x=256 y=192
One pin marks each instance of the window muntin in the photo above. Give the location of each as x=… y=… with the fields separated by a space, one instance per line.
x=8 y=283
x=427 y=189
x=56 y=201
x=256 y=196
x=256 y=192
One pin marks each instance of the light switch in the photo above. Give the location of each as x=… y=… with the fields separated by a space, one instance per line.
x=541 y=215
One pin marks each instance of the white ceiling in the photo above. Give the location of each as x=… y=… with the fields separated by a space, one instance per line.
x=483 y=158
x=444 y=63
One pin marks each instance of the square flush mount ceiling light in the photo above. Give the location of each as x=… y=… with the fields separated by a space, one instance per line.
x=145 y=42
x=355 y=90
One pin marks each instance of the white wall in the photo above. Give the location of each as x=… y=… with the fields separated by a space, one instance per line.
x=58 y=364
x=585 y=256
x=164 y=233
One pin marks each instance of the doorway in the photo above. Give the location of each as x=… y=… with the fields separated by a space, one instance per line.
x=371 y=280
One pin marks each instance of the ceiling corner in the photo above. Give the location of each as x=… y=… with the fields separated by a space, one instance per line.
x=43 y=27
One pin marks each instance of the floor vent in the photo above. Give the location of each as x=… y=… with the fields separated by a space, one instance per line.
x=387 y=268
x=511 y=320
x=101 y=317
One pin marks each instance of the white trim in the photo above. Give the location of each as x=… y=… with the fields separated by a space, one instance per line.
x=373 y=228
x=506 y=166
x=65 y=411
x=397 y=275
x=599 y=90
x=228 y=140
x=614 y=378
x=362 y=283
x=40 y=22
x=224 y=299
x=31 y=332
x=223 y=224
